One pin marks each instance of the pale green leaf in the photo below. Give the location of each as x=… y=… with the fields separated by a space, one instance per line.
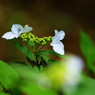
x=4 y=93
x=8 y=76
x=31 y=88
x=88 y=49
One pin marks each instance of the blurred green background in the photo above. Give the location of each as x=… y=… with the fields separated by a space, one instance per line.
x=45 y=16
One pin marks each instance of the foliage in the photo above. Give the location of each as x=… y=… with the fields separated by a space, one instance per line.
x=88 y=50
x=8 y=77
x=44 y=75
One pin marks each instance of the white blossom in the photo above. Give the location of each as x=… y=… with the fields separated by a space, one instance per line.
x=16 y=31
x=74 y=67
x=26 y=29
x=57 y=45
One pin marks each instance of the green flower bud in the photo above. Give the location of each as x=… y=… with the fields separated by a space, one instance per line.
x=29 y=36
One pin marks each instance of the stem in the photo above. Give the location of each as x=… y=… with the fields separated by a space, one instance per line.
x=36 y=51
x=36 y=47
x=37 y=63
x=42 y=47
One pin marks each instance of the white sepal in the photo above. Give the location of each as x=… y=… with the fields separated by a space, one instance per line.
x=57 y=45
x=8 y=36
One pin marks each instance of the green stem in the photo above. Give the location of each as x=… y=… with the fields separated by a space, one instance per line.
x=42 y=47
x=36 y=47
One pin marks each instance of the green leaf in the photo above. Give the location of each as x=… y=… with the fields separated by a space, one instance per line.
x=36 y=69
x=88 y=49
x=31 y=44
x=45 y=55
x=87 y=87
x=29 y=84
x=4 y=93
x=31 y=88
x=17 y=62
x=25 y=51
x=54 y=53
x=1 y=88
x=41 y=68
x=8 y=77
x=25 y=72
x=54 y=61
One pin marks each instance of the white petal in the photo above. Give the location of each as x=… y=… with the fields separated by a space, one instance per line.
x=62 y=34
x=75 y=65
x=27 y=29
x=52 y=44
x=20 y=27
x=16 y=28
x=58 y=48
x=55 y=32
x=58 y=36
x=8 y=35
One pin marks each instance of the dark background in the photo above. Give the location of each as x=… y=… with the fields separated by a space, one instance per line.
x=45 y=16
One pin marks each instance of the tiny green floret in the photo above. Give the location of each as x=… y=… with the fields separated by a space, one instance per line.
x=29 y=36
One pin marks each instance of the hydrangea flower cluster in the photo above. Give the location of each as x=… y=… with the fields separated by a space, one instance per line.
x=18 y=30
x=29 y=36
